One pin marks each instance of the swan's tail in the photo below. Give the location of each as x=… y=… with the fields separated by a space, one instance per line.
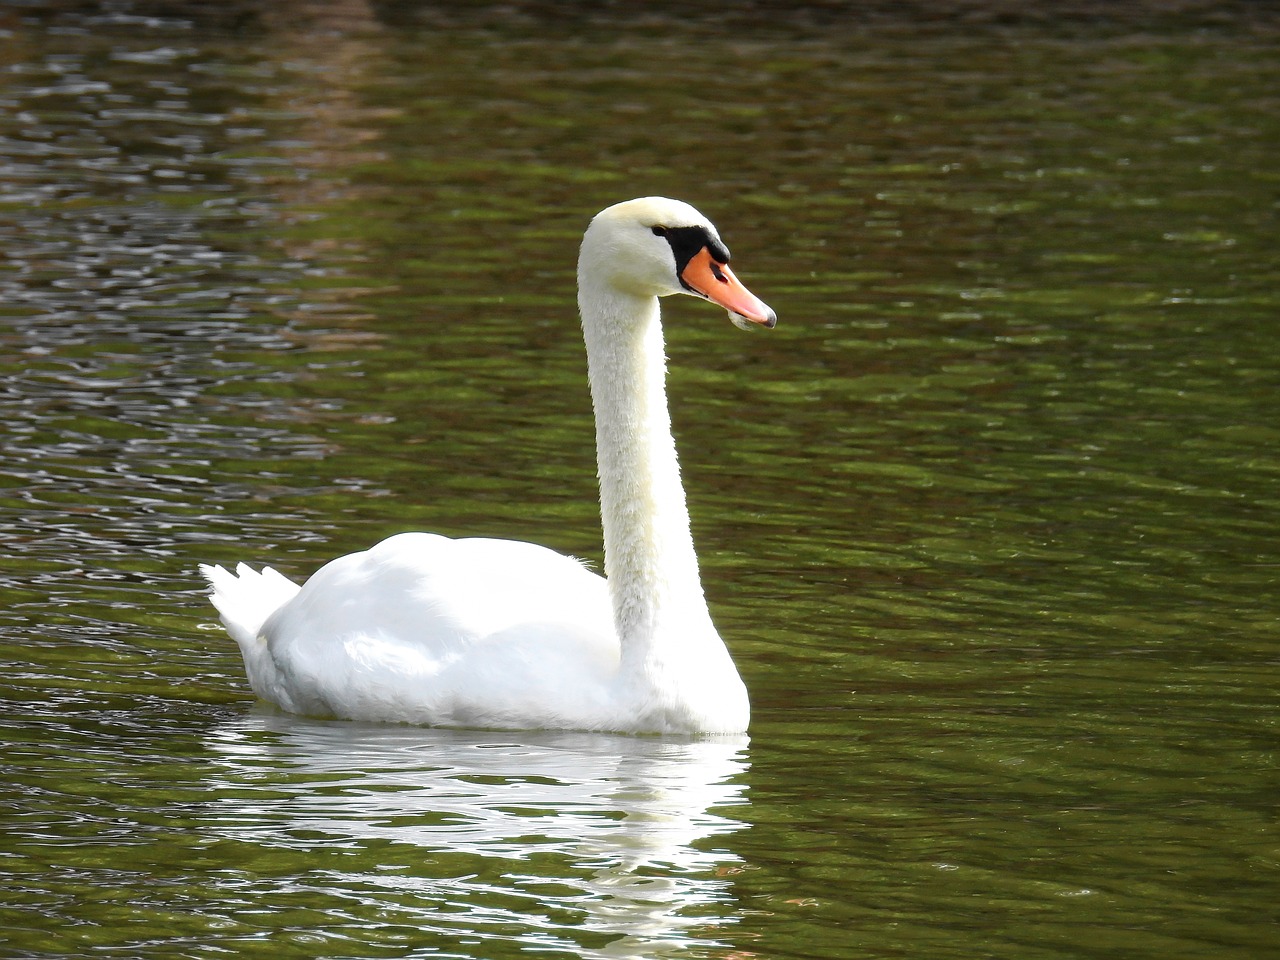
x=246 y=598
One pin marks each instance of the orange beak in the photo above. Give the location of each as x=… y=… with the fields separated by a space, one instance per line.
x=715 y=281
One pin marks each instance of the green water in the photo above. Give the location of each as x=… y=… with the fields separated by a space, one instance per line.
x=989 y=521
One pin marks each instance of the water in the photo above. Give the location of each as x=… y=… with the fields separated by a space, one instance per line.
x=988 y=520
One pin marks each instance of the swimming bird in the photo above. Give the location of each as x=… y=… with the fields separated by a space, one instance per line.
x=479 y=632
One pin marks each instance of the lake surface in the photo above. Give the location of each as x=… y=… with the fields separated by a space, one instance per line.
x=989 y=521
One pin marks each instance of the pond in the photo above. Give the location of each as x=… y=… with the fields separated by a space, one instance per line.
x=989 y=521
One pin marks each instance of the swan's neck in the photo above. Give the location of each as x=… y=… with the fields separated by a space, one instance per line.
x=659 y=608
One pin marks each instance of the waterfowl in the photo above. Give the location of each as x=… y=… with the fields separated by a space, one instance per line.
x=492 y=633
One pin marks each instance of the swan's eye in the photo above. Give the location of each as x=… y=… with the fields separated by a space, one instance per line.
x=659 y=231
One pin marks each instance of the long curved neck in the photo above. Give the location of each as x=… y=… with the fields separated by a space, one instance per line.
x=650 y=560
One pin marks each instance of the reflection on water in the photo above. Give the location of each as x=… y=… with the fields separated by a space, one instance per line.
x=988 y=521
x=612 y=841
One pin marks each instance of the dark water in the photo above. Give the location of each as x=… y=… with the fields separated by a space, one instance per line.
x=989 y=521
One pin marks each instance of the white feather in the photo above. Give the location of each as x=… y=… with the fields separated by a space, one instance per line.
x=499 y=633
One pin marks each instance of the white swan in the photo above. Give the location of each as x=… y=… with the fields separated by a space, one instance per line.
x=504 y=634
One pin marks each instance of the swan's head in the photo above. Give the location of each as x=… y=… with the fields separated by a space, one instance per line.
x=654 y=247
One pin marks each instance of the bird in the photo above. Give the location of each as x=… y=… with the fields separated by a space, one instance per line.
x=503 y=634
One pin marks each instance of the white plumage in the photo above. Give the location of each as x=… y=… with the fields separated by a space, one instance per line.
x=499 y=633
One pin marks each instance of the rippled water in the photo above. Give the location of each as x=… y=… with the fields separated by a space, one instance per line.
x=989 y=521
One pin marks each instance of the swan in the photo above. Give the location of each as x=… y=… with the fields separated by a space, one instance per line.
x=503 y=634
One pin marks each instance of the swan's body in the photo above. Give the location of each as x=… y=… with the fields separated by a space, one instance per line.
x=500 y=633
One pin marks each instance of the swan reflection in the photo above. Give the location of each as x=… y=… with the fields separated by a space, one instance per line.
x=606 y=843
